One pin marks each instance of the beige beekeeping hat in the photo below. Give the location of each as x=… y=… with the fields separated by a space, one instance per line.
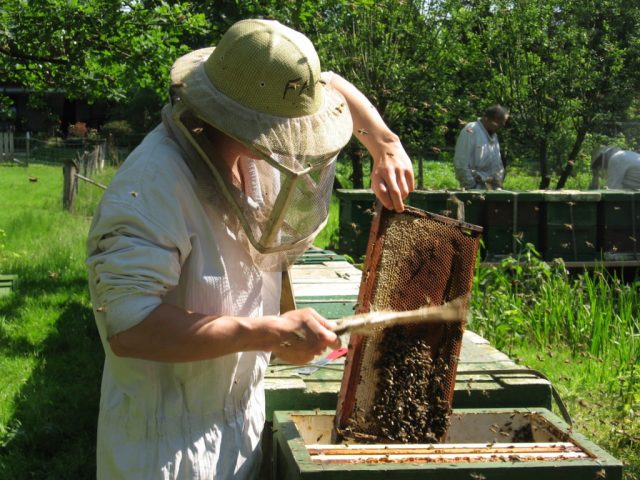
x=261 y=85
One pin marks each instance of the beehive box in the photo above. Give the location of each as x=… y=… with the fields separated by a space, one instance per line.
x=7 y=283
x=512 y=220
x=570 y=227
x=491 y=444
x=356 y=215
x=619 y=224
x=434 y=201
x=475 y=207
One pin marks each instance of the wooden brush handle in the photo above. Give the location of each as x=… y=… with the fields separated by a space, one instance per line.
x=365 y=323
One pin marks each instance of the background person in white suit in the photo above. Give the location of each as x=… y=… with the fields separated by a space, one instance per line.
x=477 y=160
x=620 y=167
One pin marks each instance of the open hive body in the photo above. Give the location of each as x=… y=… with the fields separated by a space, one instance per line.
x=399 y=382
x=496 y=444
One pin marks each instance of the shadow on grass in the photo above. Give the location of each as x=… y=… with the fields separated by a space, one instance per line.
x=52 y=433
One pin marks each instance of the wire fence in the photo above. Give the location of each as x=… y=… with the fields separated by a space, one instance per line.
x=26 y=149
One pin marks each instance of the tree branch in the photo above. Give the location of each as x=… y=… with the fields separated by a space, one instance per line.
x=13 y=53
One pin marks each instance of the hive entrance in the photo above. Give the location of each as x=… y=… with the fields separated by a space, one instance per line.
x=398 y=382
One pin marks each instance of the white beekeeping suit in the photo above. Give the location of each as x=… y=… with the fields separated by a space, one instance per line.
x=622 y=168
x=477 y=159
x=174 y=420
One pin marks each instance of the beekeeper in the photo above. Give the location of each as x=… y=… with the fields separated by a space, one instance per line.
x=477 y=160
x=187 y=248
x=622 y=168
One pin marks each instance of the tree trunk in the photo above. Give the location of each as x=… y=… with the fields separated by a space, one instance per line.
x=545 y=179
x=577 y=145
x=357 y=177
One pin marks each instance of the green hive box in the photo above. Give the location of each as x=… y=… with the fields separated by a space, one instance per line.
x=474 y=202
x=7 y=283
x=465 y=205
x=619 y=224
x=356 y=215
x=496 y=444
x=434 y=201
x=512 y=220
x=571 y=225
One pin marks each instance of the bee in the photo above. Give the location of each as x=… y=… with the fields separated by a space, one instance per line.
x=478 y=476
x=293 y=85
x=300 y=335
x=134 y=194
x=362 y=131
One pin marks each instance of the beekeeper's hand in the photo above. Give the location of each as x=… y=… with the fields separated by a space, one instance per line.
x=299 y=335
x=392 y=174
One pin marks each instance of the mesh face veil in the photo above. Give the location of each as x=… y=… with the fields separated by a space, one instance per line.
x=261 y=86
x=282 y=205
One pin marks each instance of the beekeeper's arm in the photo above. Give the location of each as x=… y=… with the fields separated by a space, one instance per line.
x=392 y=171
x=134 y=262
x=462 y=159
x=172 y=334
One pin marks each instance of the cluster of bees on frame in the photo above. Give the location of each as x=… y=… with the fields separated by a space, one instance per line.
x=410 y=403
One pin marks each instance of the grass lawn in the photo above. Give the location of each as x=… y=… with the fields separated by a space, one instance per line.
x=582 y=332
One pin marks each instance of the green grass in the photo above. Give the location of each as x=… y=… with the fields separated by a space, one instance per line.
x=50 y=353
x=440 y=175
x=581 y=331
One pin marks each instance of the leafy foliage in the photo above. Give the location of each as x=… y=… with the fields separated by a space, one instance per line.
x=566 y=69
x=96 y=50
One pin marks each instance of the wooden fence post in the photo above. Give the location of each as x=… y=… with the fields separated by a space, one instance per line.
x=69 y=171
x=6 y=146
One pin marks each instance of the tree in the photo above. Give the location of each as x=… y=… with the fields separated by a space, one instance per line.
x=385 y=48
x=561 y=66
x=605 y=85
x=95 y=50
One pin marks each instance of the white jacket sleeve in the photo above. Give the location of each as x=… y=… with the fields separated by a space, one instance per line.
x=133 y=262
x=462 y=159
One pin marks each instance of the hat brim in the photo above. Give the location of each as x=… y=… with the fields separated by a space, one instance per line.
x=321 y=134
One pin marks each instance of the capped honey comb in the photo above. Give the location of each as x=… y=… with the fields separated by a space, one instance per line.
x=398 y=383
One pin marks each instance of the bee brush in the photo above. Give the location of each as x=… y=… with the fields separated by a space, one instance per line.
x=368 y=323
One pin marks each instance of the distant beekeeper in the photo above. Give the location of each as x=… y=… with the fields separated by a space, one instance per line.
x=187 y=249
x=622 y=168
x=477 y=159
